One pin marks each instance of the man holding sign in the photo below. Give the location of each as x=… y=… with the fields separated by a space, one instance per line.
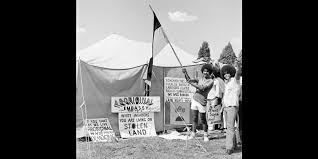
x=214 y=99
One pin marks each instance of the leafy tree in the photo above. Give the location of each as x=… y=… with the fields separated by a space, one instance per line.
x=239 y=62
x=239 y=59
x=204 y=50
x=227 y=56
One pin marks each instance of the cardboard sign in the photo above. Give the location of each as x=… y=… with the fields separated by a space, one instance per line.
x=183 y=109
x=135 y=104
x=100 y=130
x=177 y=90
x=136 y=125
x=213 y=114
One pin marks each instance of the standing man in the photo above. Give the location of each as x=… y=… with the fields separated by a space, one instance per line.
x=198 y=101
x=238 y=76
x=214 y=98
x=230 y=105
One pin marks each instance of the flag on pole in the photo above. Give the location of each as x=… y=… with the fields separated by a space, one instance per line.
x=159 y=41
x=149 y=72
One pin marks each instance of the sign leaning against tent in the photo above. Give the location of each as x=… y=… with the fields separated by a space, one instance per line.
x=100 y=130
x=136 y=124
x=177 y=90
x=178 y=93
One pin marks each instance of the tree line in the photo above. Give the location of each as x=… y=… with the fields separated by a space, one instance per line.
x=227 y=55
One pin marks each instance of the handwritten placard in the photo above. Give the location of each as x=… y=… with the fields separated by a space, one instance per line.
x=135 y=104
x=213 y=113
x=183 y=108
x=177 y=90
x=136 y=124
x=100 y=130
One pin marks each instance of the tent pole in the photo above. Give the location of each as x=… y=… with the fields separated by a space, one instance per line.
x=164 y=101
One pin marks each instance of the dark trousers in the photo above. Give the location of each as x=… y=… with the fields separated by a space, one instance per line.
x=195 y=117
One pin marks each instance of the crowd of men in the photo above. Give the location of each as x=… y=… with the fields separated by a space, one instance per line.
x=218 y=86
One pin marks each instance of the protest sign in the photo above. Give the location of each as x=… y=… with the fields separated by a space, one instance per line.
x=177 y=90
x=136 y=124
x=183 y=108
x=100 y=130
x=213 y=114
x=135 y=104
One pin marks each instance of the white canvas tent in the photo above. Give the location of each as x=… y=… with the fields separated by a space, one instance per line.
x=118 y=52
x=114 y=67
x=167 y=58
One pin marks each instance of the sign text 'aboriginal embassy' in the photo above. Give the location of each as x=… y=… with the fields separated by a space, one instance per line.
x=135 y=104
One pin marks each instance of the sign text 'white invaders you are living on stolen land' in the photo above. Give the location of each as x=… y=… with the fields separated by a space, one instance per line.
x=136 y=124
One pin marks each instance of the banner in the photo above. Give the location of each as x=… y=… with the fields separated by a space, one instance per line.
x=183 y=109
x=100 y=130
x=135 y=104
x=177 y=90
x=136 y=124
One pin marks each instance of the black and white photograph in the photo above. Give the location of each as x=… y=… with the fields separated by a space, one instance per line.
x=159 y=79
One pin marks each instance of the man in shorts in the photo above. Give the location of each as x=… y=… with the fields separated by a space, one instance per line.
x=198 y=102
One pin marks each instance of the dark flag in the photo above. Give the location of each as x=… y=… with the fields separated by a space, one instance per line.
x=159 y=41
x=149 y=72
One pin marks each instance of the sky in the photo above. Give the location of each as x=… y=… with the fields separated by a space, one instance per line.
x=187 y=23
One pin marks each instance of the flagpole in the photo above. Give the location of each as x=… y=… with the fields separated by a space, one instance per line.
x=168 y=41
x=173 y=49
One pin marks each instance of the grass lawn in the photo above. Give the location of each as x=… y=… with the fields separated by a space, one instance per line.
x=156 y=148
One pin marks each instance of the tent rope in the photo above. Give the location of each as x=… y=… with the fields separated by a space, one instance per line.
x=82 y=105
x=85 y=110
x=188 y=130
